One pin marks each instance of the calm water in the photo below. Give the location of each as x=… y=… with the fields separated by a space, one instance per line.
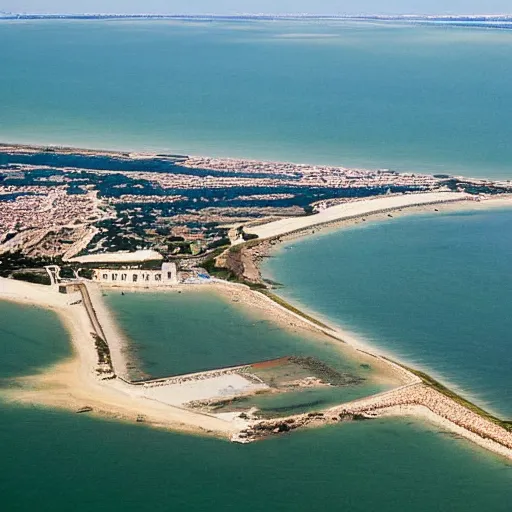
x=433 y=290
x=173 y=333
x=424 y=98
x=55 y=460
x=30 y=339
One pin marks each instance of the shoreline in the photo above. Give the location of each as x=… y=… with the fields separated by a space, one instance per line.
x=254 y=251
x=356 y=209
x=75 y=383
x=70 y=385
x=258 y=250
x=113 y=150
x=261 y=307
x=257 y=255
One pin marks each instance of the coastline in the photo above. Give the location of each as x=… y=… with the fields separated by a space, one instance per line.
x=257 y=253
x=74 y=384
x=257 y=249
x=113 y=149
x=71 y=385
x=254 y=251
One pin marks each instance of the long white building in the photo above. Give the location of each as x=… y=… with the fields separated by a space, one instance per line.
x=166 y=276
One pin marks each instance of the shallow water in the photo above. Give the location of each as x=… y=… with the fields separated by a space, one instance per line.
x=422 y=98
x=433 y=290
x=172 y=334
x=31 y=338
x=52 y=460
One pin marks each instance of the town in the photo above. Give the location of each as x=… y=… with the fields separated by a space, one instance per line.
x=59 y=203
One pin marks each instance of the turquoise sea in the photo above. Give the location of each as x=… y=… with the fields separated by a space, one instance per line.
x=404 y=97
x=31 y=338
x=54 y=460
x=433 y=290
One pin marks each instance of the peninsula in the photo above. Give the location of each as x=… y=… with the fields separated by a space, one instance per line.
x=197 y=223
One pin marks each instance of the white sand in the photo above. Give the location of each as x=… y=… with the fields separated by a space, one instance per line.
x=74 y=384
x=223 y=386
x=354 y=209
x=119 y=257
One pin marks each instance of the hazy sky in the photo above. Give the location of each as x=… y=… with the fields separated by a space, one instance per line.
x=262 y=6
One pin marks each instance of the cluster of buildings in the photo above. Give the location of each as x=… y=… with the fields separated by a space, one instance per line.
x=276 y=174
x=289 y=174
x=45 y=220
x=166 y=275
x=154 y=199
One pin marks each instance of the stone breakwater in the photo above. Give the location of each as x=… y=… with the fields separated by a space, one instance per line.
x=486 y=431
x=436 y=402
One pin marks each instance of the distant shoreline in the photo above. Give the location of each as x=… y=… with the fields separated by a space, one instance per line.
x=482 y=22
x=469 y=18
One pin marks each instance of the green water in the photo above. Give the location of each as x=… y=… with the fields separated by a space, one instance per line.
x=422 y=98
x=175 y=333
x=433 y=290
x=171 y=333
x=31 y=338
x=57 y=461
x=52 y=460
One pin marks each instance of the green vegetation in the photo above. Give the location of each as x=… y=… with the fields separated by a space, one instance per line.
x=86 y=273
x=249 y=236
x=12 y=261
x=32 y=277
x=102 y=350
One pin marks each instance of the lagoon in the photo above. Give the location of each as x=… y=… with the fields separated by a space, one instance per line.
x=171 y=333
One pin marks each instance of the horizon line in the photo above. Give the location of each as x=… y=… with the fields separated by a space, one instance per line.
x=262 y=14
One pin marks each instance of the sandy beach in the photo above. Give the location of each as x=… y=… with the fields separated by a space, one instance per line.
x=355 y=209
x=75 y=383
x=370 y=210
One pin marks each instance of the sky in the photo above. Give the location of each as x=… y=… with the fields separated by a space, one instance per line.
x=223 y=7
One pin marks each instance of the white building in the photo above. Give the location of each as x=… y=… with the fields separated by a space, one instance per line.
x=166 y=276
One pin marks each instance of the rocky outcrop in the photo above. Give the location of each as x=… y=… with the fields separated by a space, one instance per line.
x=265 y=428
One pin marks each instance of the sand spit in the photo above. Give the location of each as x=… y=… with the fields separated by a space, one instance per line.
x=245 y=261
x=76 y=384
x=355 y=209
